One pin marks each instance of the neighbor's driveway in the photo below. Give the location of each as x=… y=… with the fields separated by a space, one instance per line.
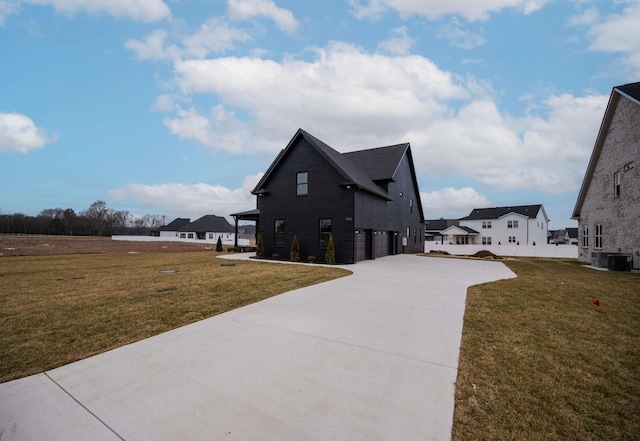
x=371 y=356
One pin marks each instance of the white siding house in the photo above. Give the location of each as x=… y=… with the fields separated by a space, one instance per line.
x=520 y=225
x=171 y=229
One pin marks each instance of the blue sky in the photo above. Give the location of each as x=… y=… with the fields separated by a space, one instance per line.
x=177 y=107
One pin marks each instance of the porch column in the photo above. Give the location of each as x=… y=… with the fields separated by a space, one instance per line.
x=236 y=236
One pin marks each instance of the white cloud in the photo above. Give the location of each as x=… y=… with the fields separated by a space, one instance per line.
x=508 y=153
x=248 y=9
x=18 y=133
x=343 y=90
x=192 y=201
x=220 y=130
x=7 y=8
x=615 y=33
x=434 y=9
x=399 y=44
x=352 y=100
x=460 y=37
x=152 y=47
x=214 y=36
x=452 y=203
x=139 y=10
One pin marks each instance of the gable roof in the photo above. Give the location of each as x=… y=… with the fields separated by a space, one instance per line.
x=530 y=211
x=572 y=233
x=440 y=224
x=361 y=168
x=459 y=230
x=175 y=224
x=380 y=163
x=209 y=224
x=630 y=91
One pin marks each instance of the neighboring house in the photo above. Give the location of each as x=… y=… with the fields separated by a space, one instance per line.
x=567 y=236
x=367 y=200
x=460 y=235
x=571 y=236
x=520 y=225
x=556 y=237
x=208 y=227
x=171 y=229
x=435 y=227
x=608 y=204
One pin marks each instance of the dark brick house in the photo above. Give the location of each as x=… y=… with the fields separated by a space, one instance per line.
x=368 y=200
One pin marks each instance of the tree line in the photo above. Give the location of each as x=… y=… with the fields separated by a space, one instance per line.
x=97 y=220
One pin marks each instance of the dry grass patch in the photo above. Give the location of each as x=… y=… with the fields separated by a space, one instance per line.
x=59 y=309
x=539 y=361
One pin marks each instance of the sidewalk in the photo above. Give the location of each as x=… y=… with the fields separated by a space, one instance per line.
x=371 y=356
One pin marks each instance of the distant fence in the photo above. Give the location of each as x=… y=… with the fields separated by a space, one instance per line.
x=558 y=251
x=241 y=242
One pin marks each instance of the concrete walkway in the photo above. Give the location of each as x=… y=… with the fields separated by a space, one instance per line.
x=372 y=356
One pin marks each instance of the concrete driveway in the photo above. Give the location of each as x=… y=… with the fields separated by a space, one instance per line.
x=372 y=356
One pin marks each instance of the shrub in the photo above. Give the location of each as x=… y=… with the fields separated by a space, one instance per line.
x=259 y=246
x=330 y=255
x=294 y=254
x=219 y=244
x=275 y=256
x=311 y=259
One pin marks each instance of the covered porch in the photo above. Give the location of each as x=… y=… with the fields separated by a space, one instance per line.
x=251 y=215
x=457 y=235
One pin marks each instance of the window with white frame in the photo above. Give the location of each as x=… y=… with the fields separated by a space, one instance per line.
x=512 y=239
x=598 y=235
x=190 y=236
x=486 y=224
x=302 y=183
x=183 y=236
x=210 y=235
x=486 y=241
x=585 y=235
x=616 y=184
x=512 y=224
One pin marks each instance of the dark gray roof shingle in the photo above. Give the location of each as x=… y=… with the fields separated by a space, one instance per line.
x=175 y=225
x=631 y=89
x=531 y=211
x=209 y=224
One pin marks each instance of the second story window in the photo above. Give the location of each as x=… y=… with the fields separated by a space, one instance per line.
x=616 y=184
x=512 y=224
x=302 y=183
x=486 y=224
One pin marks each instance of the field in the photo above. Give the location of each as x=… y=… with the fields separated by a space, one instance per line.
x=90 y=295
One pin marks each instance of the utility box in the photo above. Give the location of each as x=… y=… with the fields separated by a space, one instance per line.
x=618 y=262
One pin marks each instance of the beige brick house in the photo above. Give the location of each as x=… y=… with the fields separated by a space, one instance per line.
x=608 y=205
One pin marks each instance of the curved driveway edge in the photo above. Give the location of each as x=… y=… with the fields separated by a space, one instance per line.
x=371 y=356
